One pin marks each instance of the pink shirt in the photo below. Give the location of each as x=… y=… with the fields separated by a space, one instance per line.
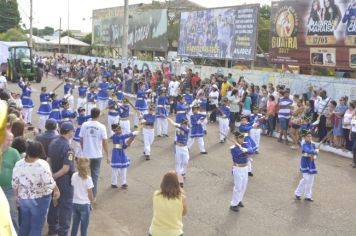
x=271 y=108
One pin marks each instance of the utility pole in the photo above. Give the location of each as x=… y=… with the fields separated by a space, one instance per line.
x=68 y=31
x=59 y=37
x=31 y=1
x=126 y=34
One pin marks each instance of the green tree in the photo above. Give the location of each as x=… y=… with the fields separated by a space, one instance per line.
x=87 y=38
x=46 y=31
x=13 y=34
x=9 y=15
x=65 y=33
x=173 y=34
x=264 y=27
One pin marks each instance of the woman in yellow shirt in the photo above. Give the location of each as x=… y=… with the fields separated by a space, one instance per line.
x=169 y=207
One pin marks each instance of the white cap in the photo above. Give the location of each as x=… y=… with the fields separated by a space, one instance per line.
x=215 y=86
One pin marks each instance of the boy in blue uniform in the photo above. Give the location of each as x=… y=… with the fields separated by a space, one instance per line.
x=197 y=130
x=255 y=133
x=224 y=117
x=45 y=108
x=26 y=100
x=245 y=128
x=182 y=152
x=103 y=94
x=307 y=167
x=92 y=97
x=67 y=86
x=141 y=103
x=67 y=115
x=239 y=153
x=124 y=112
x=56 y=105
x=113 y=114
x=81 y=118
x=148 y=131
x=119 y=161
x=162 y=113
x=82 y=92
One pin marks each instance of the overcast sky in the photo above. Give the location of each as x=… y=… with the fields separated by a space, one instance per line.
x=48 y=12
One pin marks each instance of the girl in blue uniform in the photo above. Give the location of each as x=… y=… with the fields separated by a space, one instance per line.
x=182 y=152
x=224 y=119
x=56 y=104
x=67 y=115
x=307 y=167
x=26 y=100
x=119 y=94
x=91 y=99
x=103 y=94
x=197 y=130
x=148 y=131
x=119 y=161
x=45 y=108
x=162 y=113
x=124 y=112
x=82 y=92
x=81 y=118
x=245 y=128
x=141 y=103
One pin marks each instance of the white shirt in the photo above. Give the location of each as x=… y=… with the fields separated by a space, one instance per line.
x=214 y=97
x=81 y=187
x=3 y=82
x=93 y=132
x=173 y=88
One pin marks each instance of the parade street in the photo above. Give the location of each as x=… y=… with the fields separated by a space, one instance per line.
x=270 y=208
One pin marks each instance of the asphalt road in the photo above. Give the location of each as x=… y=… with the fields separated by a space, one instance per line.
x=270 y=208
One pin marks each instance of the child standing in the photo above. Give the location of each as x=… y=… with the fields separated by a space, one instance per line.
x=197 y=131
x=224 y=116
x=82 y=197
x=255 y=132
x=148 y=131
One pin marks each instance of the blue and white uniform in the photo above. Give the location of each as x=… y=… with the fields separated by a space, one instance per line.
x=44 y=110
x=67 y=87
x=76 y=144
x=224 y=118
x=162 y=114
x=103 y=94
x=239 y=171
x=124 y=112
x=248 y=141
x=27 y=102
x=120 y=95
x=148 y=132
x=119 y=161
x=182 y=111
x=68 y=115
x=255 y=133
x=140 y=105
x=91 y=101
x=202 y=103
x=197 y=131
x=182 y=152
x=308 y=169
x=56 y=113
x=82 y=98
x=113 y=114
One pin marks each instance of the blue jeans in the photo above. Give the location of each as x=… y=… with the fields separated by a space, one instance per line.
x=33 y=215
x=283 y=123
x=95 y=172
x=13 y=209
x=81 y=213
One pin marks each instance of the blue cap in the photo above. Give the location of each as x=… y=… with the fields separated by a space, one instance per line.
x=67 y=126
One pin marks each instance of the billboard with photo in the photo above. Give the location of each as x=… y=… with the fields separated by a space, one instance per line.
x=313 y=32
x=147 y=29
x=220 y=33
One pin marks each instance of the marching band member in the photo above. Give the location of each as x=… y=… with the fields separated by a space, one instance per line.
x=113 y=114
x=188 y=98
x=103 y=94
x=197 y=130
x=162 y=113
x=67 y=114
x=81 y=118
x=119 y=161
x=224 y=116
x=45 y=108
x=203 y=102
x=239 y=153
x=56 y=104
x=82 y=92
x=255 y=132
x=124 y=112
x=245 y=128
x=182 y=109
x=67 y=86
x=118 y=88
x=182 y=152
x=141 y=103
x=148 y=132
x=70 y=98
x=307 y=167
x=91 y=99
x=26 y=99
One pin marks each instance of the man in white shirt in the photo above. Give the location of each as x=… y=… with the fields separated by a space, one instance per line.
x=93 y=139
x=173 y=91
x=3 y=81
x=214 y=102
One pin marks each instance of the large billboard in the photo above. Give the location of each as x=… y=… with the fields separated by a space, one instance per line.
x=147 y=29
x=221 y=33
x=319 y=33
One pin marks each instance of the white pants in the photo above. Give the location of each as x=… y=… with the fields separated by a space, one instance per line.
x=240 y=184
x=305 y=186
x=249 y=164
x=102 y=104
x=114 y=174
x=125 y=126
x=81 y=102
x=112 y=120
x=42 y=122
x=162 y=126
x=148 y=138
x=182 y=160
x=223 y=128
x=90 y=106
x=255 y=134
x=28 y=115
x=77 y=149
x=137 y=116
x=200 y=142
x=246 y=112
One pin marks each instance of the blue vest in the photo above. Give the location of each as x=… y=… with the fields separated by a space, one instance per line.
x=103 y=93
x=67 y=87
x=124 y=111
x=113 y=110
x=182 y=135
x=82 y=91
x=150 y=119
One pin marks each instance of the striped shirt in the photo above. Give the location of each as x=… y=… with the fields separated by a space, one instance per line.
x=285 y=108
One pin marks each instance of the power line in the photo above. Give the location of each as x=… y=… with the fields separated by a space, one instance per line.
x=10 y=18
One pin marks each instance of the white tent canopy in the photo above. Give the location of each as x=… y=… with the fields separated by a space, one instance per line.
x=65 y=41
x=4 y=49
x=37 y=40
